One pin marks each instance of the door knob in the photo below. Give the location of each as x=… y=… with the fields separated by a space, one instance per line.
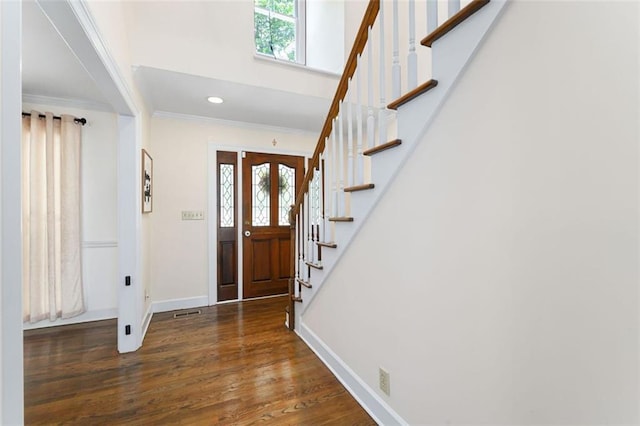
x=247 y=233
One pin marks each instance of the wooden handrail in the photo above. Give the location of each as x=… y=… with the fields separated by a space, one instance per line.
x=454 y=21
x=359 y=44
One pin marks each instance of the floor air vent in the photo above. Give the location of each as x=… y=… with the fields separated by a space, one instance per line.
x=187 y=313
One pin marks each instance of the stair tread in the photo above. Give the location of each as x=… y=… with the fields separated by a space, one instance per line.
x=383 y=147
x=314 y=265
x=454 y=21
x=423 y=88
x=341 y=219
x=363 y=187
x=307 y=284
x=330 y=245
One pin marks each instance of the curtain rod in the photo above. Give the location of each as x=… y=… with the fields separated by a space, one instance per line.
x=81 y=121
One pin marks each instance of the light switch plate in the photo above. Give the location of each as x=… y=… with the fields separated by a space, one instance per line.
x=192 y=215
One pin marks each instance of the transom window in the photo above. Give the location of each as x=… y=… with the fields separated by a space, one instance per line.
x=279 y=29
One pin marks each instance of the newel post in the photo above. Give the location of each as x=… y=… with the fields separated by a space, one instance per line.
x=292 y=268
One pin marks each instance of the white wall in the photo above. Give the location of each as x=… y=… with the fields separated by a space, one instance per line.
x=325 y=25
x=497 y=280
x=179 y=256
x=194 y=38
x=99 y=213
x=3 y=335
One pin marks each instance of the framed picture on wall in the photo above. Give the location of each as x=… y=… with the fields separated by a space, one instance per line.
x=147 y=182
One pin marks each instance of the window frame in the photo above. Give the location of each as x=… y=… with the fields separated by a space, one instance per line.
x=299 y=22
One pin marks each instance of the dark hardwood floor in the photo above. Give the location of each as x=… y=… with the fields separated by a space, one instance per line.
x=235 y=364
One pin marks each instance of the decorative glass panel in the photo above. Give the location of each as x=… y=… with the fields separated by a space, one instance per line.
x=286 y=188
x=227 y=209
x=260 y=200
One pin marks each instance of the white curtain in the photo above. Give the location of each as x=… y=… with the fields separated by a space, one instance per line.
x=52 y=265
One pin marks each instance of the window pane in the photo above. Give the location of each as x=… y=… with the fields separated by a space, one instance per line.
x=283 y=36
x=260 y=202
x=262 y=33
x=286 y=187
x=227 y=209
x=283 y=7
x=275 y=28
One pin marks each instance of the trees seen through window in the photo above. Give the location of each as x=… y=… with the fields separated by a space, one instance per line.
x=276 y=26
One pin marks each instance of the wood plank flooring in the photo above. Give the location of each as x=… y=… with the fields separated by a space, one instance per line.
x=235 y=364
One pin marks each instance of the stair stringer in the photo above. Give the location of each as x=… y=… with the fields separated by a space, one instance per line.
x=450 y=56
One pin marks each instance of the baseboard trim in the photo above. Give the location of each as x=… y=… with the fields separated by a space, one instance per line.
x=377 y=408
x=97 y=315
x=176 y=304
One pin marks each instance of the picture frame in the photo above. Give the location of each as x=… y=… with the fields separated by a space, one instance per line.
x=147 y=182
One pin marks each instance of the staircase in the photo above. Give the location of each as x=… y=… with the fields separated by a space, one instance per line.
x=373 y=124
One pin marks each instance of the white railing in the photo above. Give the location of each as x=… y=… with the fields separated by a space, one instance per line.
x=359 y=120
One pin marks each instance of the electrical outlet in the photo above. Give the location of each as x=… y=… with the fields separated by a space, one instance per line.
x=192 y=215
x=385 y=384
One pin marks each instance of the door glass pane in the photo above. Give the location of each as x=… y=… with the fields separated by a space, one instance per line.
x=260 y=189
x=226 y=196
x=286 y=187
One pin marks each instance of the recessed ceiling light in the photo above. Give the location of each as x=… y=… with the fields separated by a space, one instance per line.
x=215 y=100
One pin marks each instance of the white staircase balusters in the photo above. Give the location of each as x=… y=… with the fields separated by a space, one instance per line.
x=382 y=116
x=412 y=57
x=370 y=82
x=316 y=215
x=334 y=167
x=432 y=16
x=318 y=212
x=340 y=162
x=350 y=177
x=322 y=232
x=298 y=259
x=454 y=7
x=395 y=67
x=305 y=236
x=300 y=242
x=328 y=188
x=310 y=248
x=359 y=161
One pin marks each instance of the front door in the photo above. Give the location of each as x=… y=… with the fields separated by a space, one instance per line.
x=270 y=183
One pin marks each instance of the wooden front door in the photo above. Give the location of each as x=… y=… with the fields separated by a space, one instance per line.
x=270 y=183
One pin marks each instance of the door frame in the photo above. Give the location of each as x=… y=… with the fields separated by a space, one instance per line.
x=11 y=349
x=212 y=214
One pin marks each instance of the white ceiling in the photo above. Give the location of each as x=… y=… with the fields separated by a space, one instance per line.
x=187 y=94
x=51 y=70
